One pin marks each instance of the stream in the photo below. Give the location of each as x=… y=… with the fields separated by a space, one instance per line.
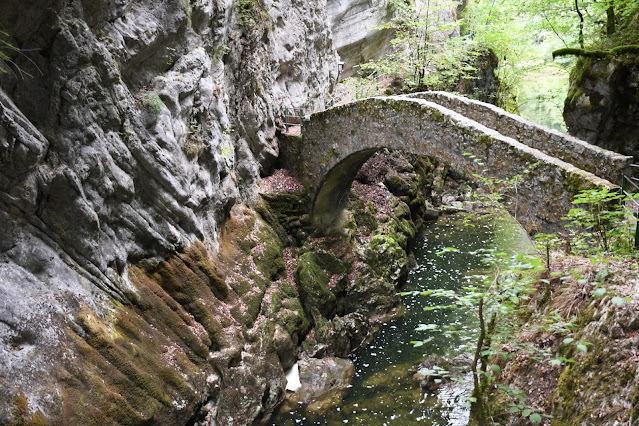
x=384 y=391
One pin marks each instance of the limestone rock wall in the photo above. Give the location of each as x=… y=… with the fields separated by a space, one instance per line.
x=128 y=131
x=603 y=100
x=602 y=104
x=357 y=35
x=353 y=23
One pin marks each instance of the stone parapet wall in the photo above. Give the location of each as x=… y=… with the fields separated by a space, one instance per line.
x=606 y=164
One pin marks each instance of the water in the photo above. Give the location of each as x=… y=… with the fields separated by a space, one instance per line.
x=384 y=391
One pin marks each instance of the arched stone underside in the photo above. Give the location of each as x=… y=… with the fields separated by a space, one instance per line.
x=338 y=141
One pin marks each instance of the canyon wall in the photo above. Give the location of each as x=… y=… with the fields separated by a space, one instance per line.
x=129 y=130
x=603 y=101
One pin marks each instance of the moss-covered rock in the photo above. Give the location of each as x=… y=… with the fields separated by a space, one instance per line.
x=387 y=258
x=602 y=102
x=268 y=255
x=370 y=296
x=313 y=289
x=288 y=214
x=342 y=335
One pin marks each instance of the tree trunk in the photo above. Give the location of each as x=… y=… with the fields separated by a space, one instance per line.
x=581 y=24
x=610 y=19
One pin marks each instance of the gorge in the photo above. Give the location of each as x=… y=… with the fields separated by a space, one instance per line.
x=158 y=264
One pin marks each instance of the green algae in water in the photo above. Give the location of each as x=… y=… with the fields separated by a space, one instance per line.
x=384 y=391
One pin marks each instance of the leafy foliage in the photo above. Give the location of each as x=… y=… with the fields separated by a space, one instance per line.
x=427 y=53
x=602 y=223
x=524 y=34
x=495 y=300
x=499 y=299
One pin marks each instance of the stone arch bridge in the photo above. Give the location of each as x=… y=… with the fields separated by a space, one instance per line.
x=338 y=141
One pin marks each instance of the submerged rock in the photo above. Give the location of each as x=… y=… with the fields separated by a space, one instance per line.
x=437 y=370
x=323 y=383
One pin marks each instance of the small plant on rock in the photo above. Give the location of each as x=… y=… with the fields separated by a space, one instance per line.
x=152 y=103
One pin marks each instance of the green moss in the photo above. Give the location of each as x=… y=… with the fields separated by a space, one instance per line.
x=288 y=214
x=287 y=289
x=486 y=141
x=22 y=416
x=364 y=215
x=252 y=16
x=292 y=318
x=152 y=103
x=387 y=258
x=312 y=282
x=133 y=365
x=573 y=182
x=242 y=287
x=274 y=305
x=272 y=219
x=269 y=260
x=574 y=93
x=253 y=301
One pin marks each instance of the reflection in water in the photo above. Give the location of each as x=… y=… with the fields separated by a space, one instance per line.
x=384 y=391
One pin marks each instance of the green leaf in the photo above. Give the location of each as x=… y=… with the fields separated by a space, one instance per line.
x=426 y=327
x=599 y=292
x=495 y=368
x=619 y=301
x=568 y=340
x=582 y=348
x=535 y=418
x=447 y=250
x=526 y=412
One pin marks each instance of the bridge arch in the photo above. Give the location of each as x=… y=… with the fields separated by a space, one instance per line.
x=338 y=141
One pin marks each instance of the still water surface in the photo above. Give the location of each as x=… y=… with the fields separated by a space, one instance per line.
x=384 y=391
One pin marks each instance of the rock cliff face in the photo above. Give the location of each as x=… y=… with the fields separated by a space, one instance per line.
x=603 y=104
x=357 y=36
x=603 y=101
x=353 y=23
x=128 y=131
